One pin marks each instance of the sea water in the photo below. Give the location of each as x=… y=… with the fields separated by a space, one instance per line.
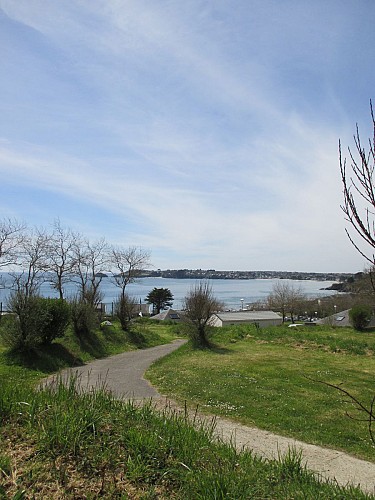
x=234 y=293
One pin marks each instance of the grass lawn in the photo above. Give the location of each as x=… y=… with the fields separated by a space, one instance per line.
x=70 y=351
x=60 y=443
x=258 y=377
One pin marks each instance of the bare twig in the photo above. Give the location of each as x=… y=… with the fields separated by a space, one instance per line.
x=358 y=405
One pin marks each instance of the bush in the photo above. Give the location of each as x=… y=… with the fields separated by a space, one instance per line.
x=58 y=321
x=124 y=310
x=24 y=332
x=84 y=317
x=37 y=321
x=360 y=316
x=199 y=305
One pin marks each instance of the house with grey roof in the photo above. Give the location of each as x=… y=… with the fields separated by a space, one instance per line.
x=259 y=318
x=169 y=314
x=341 y=319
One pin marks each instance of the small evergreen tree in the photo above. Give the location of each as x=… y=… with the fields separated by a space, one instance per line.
x=160 y=298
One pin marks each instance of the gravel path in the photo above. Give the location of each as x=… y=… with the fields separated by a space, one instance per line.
x=123 y=375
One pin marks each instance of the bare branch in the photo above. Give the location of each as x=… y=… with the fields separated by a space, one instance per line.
x=61 y=260
x=358 y=405
x=128 y=264
x=359 y=192
x=12 y=234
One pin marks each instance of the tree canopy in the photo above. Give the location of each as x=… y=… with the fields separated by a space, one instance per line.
x=160 y=298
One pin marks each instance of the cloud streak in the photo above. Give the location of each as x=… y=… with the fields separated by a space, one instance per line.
x=206 y=132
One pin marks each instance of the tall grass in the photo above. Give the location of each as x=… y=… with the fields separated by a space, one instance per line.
x=73 y=444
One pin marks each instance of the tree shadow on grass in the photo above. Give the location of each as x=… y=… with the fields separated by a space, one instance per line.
x=220 y=350
x=91 y=343
x=114 y=335
x=136 y=337
x=210 y=347
x=47 y=359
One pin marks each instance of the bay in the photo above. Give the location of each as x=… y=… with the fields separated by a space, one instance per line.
x=228 y=291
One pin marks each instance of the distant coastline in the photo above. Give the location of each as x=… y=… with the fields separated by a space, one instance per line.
x=245 y=275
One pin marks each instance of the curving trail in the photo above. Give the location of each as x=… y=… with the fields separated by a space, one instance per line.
x=123 y=376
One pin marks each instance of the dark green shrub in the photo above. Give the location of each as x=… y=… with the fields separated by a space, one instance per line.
x=36 y=321
x=84 y=317
x=360 y=316
x=59 y=317
x=30 y=317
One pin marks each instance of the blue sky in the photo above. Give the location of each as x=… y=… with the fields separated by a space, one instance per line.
x=204 y=131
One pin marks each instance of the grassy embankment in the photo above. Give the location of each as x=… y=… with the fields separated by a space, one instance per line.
x=65 y=444
x=258 y=377
x=71 y=351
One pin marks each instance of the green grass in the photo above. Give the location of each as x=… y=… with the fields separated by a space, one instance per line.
x=61 y=443
x=258 y=377
x=69 y=351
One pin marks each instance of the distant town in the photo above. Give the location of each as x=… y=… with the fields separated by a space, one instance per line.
x=246 y=275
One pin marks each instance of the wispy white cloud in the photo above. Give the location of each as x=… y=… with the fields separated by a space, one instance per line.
x=209 y=130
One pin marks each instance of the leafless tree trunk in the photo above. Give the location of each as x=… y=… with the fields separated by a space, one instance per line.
x=125 y=309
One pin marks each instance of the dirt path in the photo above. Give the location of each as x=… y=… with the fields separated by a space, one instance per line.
x=123 y=376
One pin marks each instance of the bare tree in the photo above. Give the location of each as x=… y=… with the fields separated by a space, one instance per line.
x=359 y=193
x=61 y=259
x=125 y=310
x=32 y=260
x=12 y=234
x=199 y=305
x=285 y=298
x=359 y=209
x=128 y=264
x=91 y=260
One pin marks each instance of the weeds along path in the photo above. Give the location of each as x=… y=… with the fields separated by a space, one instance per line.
x=327 y=463
x=123 y=376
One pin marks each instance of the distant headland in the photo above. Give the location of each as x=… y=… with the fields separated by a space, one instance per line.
x=245 y=275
